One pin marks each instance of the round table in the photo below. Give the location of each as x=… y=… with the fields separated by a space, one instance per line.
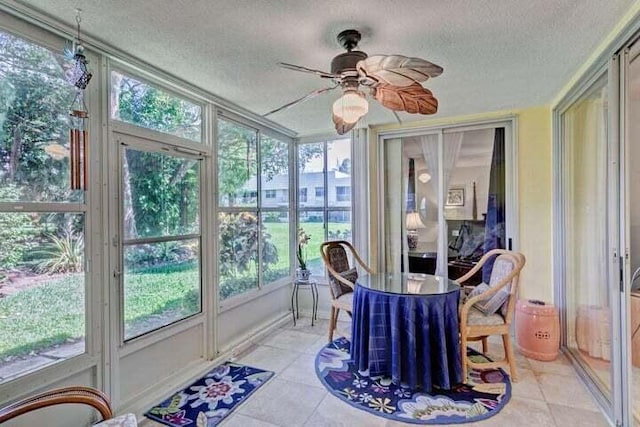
x=405 y=326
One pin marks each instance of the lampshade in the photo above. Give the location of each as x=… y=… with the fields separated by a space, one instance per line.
x=424 y=177
x=351 y=106
x=414 y=222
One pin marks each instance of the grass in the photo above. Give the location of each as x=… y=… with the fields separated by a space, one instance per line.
x=53 y=312
x=42 y=316
x=280 y=237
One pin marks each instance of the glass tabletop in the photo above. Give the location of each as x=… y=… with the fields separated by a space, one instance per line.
x=408 y=283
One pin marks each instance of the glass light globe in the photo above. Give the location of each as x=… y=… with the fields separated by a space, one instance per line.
x=351 y=106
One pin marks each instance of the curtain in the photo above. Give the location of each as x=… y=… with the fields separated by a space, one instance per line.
x=494 y=228
x=452 y=144
x=394 y=208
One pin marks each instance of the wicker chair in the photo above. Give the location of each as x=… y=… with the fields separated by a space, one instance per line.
x=72 y=394
x=475 y=325
x=341 y=288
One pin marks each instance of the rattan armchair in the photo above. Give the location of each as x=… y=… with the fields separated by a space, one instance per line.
x=475 y=325
x=65 y=395
x=335 y=257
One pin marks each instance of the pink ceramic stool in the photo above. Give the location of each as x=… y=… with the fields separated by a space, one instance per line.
x=537 y=329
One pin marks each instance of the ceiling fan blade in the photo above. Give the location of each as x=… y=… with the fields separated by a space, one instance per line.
x=302 y=99
x=398 y=70
x=342 y=127
x=323 y=74
x=413 y=99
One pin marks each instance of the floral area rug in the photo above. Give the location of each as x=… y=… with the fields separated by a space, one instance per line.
x=484 y=394
x=207 y=401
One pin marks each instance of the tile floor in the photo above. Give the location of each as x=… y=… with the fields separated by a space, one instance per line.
x=548 y=393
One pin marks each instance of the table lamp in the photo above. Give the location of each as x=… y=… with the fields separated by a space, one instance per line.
x=413 y=224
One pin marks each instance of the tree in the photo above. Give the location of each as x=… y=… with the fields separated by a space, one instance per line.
x=34 y=103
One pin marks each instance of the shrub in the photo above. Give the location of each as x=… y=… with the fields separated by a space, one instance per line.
x=64 y=254
x=17 y=232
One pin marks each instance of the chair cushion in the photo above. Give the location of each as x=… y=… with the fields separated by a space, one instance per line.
x=338 y=258
x=476 y=317
x=340 y=288
x=502 y=268
x=126 y=420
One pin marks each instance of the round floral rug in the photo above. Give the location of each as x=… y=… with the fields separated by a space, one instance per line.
x=483 y=396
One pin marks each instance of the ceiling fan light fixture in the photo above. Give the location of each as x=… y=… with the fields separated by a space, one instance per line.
x=351 y=106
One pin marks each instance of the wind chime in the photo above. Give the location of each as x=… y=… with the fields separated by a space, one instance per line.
x=79 y=76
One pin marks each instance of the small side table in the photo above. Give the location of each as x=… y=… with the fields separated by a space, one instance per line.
x=313 y=285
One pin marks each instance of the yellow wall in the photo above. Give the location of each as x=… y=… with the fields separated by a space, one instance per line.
x=534 y=191
x=535 y=201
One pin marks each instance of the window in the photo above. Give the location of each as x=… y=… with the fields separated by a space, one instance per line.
x=161 y=248
x=343 y=193
x=325 y=167
x=302 y=195
x=42 y=254
x=142 y=104
x=254 y=235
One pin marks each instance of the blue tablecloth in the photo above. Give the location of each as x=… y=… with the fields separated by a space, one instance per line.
x=411 y=338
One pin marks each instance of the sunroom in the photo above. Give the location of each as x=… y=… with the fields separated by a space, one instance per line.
x=167 y=169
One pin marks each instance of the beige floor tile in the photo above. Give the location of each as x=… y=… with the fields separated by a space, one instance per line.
x=566 y=416
x=565 y=390
x=289 y=339
x=283 y=403
x=527 y=386
x=269 y=358
x=316 y=346
x=239 y=420
x=332 y=412
x=521 y=413
x=560 y=366
x=303 y=371
x=320 y=326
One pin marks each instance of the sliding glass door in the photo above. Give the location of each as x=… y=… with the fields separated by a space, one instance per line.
x=632 y=165
x=445 y=198
x=587 y=232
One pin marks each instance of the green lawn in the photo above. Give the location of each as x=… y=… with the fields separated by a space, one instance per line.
x=53 y=312
x=40 y=317
x=280 y=237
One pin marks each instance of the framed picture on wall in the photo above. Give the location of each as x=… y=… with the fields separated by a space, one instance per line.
x=455 y=197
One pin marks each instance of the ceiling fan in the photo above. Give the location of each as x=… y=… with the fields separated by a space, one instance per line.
x=393 y=80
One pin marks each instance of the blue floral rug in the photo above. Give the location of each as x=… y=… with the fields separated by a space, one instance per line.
x=207 y=401
x=484 y=395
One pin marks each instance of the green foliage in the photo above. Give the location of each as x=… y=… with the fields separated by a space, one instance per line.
x=152 y=108
x=238 y=237
x=165 y=193
x=16 y=232
x=237 y=157
x=34 y=103
x=64 y=254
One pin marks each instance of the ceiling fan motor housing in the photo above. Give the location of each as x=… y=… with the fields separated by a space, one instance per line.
x=346 y=62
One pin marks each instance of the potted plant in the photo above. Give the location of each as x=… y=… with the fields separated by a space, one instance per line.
x=302 y=273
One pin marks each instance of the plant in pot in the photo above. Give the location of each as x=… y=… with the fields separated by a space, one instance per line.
x=302 y=273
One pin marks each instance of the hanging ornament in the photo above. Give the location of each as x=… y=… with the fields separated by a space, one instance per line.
x=79 y=76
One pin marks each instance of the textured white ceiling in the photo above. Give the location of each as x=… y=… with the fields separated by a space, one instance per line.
x=496 y=54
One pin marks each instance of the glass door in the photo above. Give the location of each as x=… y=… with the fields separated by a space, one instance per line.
x=445 y=198
x=632 y=164
x=587 y=282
